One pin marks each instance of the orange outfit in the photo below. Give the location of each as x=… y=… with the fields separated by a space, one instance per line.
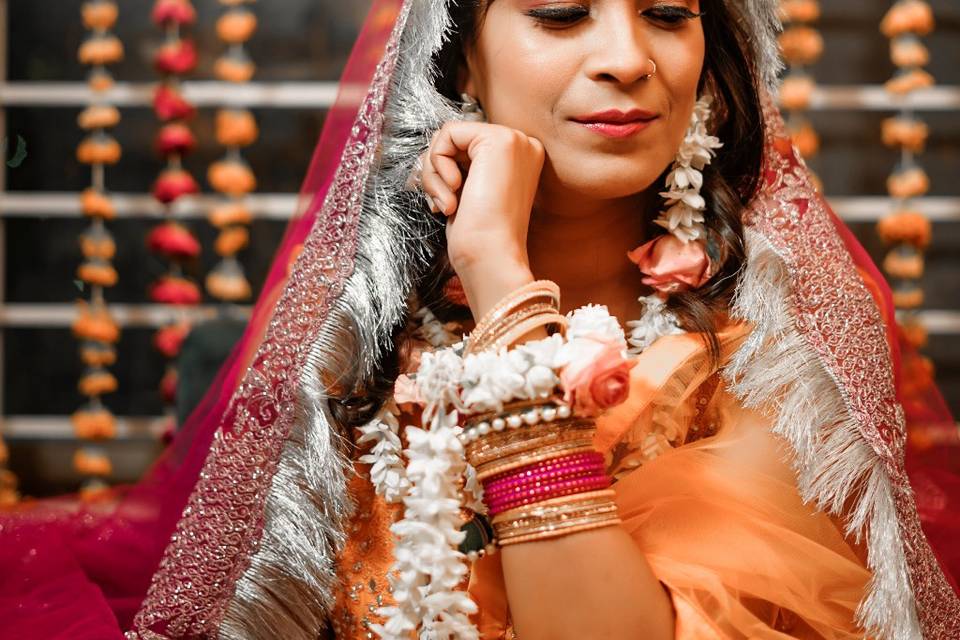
x=707 y=492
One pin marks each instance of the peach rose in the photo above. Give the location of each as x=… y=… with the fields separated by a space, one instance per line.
x=596 y=375
x=405 y=391
x=672 y=265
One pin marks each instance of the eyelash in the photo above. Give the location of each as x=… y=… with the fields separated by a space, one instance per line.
x=666 y=14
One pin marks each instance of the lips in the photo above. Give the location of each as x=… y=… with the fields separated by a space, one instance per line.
x=614 y=123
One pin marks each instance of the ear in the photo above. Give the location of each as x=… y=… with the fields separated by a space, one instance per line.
x=465 y=79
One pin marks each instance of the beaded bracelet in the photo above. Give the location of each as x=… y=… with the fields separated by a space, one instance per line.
x=529 y=414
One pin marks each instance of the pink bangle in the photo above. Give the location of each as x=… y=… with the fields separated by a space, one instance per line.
x=537 y=477
x=518 y=490
x=561 y=459
x=548 y=491
x=556 y=465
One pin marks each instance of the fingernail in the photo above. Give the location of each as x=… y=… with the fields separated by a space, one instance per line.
x=436 y=205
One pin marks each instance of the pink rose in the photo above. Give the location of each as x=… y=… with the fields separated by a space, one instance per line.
x=672 y=265
x=405 y=391
x=596 y=376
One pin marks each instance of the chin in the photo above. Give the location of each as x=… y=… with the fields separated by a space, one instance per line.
x=606 y=176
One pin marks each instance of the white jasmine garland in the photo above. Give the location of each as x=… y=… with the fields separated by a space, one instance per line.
x=427 y=565
x=388 y=473
x=655 y=322
x=434 y=331
x=683 y=215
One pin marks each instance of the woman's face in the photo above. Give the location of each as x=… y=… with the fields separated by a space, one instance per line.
x=561 y=70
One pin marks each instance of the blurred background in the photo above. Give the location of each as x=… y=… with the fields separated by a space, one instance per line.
x=278 y=63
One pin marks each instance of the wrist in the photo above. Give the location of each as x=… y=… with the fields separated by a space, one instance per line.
x=488 y=282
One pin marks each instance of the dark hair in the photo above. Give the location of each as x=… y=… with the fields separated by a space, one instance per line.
x=730 y=182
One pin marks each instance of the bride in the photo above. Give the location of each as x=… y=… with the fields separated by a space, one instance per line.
x=566 y=345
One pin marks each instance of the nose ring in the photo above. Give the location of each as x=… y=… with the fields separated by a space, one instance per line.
x=652 y=73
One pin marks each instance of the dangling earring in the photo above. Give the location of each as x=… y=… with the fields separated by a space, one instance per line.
x=471 y=109
x=678 y=260
x=683 y=216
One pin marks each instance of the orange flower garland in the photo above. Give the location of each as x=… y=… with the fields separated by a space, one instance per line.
x=93 y=326
x=802 y=46
x=170 y=239
x=236 y=128
x=906 y=232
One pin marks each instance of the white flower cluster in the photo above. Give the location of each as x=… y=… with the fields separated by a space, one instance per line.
x=593 y=321
x=432 y=330
x=656 y=321
x=388 y=474
x=427 y=565
x=683 y=216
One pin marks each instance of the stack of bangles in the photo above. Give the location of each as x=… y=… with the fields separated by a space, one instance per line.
x=541 y=476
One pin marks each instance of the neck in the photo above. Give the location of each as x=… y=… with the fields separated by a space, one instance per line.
x=585 y=252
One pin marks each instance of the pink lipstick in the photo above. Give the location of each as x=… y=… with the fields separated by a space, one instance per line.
x=614 y=123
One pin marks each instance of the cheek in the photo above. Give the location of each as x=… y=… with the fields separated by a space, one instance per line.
x=515 y=100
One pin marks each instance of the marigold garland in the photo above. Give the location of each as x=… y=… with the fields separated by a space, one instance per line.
x=94 y=327
x=906 y=231
x=802 y=46
x=236 y=127
x=170 y=239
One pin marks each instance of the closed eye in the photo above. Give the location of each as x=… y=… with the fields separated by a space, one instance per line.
x=669 y=15
x=559 y=15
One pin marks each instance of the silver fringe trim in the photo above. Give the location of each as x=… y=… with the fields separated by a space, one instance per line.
x=291 y=586
x=835 y=466
x=762 y=21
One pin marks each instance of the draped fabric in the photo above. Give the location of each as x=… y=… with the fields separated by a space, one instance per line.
x=706 y=491
x=709 y=480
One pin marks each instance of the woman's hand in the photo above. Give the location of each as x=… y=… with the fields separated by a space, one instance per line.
x=484 y=178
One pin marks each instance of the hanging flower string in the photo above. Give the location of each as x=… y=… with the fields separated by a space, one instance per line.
x=173 y=241
x=98 y=333
x=906 y=231
x=802 y=46
x=236 y=128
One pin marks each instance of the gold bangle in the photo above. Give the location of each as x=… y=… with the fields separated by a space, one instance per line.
x=557 y=532
x=515 y=407
x=511 y=301
x=602 y=496
x=536 y=432
x=522 y=328
x=481 y=337
x=490 y=335
x=538 y=288
x=505 y=531
x=524 y=443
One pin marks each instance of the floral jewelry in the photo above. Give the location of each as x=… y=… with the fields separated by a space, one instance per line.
x=678 y=261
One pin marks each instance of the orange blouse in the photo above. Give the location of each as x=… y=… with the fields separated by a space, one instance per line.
x=706 y=491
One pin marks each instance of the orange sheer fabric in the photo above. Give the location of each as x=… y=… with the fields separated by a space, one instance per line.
x=707 y=493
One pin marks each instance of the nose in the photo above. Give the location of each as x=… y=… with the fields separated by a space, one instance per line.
x=620 y=53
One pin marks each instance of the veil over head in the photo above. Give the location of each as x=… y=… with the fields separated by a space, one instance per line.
x=249 y=506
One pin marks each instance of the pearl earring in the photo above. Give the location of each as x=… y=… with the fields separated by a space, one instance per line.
x=471 y=109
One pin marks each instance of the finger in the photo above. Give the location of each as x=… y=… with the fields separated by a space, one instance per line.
x=414 y=181
x=454 y=139
x=448 y=169
x=439 y=195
